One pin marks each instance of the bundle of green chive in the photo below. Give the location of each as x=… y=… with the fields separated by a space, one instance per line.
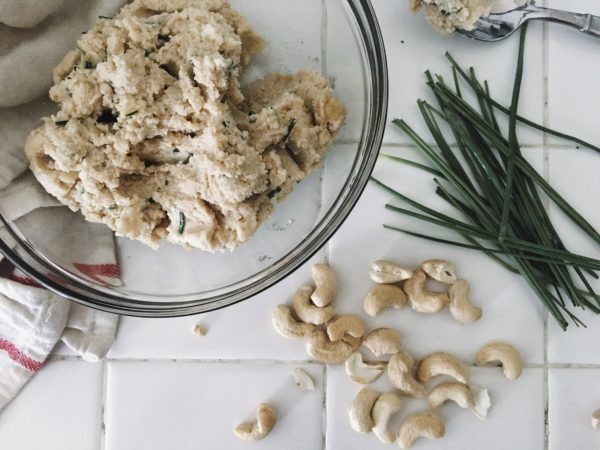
x=497 y=193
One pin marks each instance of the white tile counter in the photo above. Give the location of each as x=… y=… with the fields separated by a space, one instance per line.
x=162 y=387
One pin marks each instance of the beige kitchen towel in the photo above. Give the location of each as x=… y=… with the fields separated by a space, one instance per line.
x=27 y=55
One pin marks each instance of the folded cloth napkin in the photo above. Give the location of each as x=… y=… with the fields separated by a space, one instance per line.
x=32 y=319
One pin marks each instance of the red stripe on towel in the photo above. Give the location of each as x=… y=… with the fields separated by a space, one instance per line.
x=94 y=271
x=19 y=357
x=24 y=280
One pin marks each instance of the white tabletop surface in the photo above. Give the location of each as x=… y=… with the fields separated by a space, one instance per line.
x=163 y=387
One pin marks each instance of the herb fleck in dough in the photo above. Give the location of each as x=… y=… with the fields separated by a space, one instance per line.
x=155 y=137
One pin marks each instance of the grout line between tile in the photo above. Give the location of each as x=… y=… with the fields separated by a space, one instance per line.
x=525 y=146
x=324 y=38
x=325 y=384
x=546 y=175
x=324 y=71
x=347 y=141
x=573 y=366
x=277 y=362
x=232 y=361
x=103 y=406
x=546 y=385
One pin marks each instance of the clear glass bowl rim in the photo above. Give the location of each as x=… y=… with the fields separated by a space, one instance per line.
x=147 y=306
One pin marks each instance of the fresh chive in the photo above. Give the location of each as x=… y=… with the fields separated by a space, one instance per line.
x=512 y=136
x=521 y=119
x=486 y=178
x=181 y=228
x=423 y=167
x=187 y=159
x=132 y=113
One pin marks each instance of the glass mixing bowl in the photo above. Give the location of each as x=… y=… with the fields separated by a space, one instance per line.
x=341 y=39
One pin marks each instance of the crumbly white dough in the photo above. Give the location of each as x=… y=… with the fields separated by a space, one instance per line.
x=446 y=16
x=156 y=139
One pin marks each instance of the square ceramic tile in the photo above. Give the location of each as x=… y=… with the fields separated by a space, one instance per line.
x=573 y=65
x=59 y=409
x=511 y=311
x=343 y=66
x=576 y=345
x=573 y=399
x=188 y=406
x=241 y=331
x=504 y=428
x=413 y=47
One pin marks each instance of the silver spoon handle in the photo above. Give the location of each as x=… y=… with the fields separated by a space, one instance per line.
x=586 y=23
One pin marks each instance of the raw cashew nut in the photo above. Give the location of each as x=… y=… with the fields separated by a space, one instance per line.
x=482 y=401
x=303 y=380
x=199 y=330
x=324 y=280
x=266 y=418
x=383 y=341
x=384 y=408
x=353 y=341
x=285 y=324
x=383 y=296
x=505 y=354
x=360 y=411
x=422 y=300
x=306 y=311
x=440 y=270
x=322 y=349
x=400 y=375
x=441 y=363
x=461 y=307
x=424 y=424
x=596 y=419
x=457 y=392
x=388 y=272
x=347 y=324
x=363 y=372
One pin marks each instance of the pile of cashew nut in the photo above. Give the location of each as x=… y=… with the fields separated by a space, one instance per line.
x=336 y=338
x=389 y=293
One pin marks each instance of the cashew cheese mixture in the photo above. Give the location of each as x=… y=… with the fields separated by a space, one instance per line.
x=155 y=137
x=446 y=16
